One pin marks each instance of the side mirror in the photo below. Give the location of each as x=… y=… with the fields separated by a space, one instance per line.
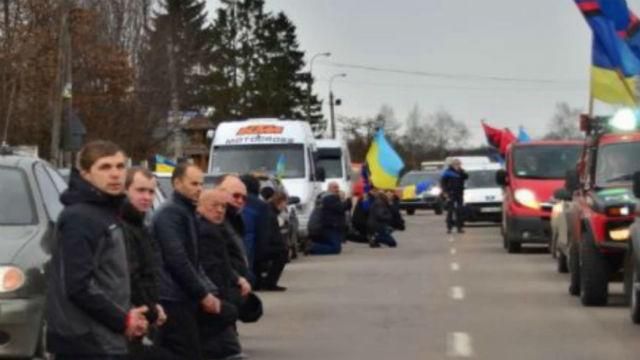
x=562 y=194
x=572 y=181
x=320 y=174
x=501 y=178
x=636 y=184
x=293 y=200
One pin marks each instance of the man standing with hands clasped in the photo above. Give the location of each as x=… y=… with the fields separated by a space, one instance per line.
x=452 y=184
x=185 y=290
x=89 y=312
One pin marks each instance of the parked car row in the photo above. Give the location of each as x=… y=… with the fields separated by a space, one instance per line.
x=587 y=212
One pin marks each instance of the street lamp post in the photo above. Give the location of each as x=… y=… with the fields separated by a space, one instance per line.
x=332 y=104
x=326 y=54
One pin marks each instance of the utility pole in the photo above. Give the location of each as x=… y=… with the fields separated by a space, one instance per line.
x=326 y=54
x=332 y=104
x=62 y=96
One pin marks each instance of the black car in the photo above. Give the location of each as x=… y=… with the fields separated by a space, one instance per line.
x=29 y=206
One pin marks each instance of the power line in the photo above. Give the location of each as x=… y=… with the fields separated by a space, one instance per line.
x=448 y=76
x=435 y=87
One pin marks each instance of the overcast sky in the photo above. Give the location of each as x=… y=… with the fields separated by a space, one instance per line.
x=538 y=52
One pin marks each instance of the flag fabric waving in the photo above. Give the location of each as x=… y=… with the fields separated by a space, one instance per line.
x=499 y=139
x=383 y=163
x=522 y=135
x=614 y=63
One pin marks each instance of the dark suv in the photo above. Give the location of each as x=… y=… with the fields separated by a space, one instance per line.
x=29 y=206
x=601 y=209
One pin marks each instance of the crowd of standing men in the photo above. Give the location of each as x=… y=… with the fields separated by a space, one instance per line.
x=123 y=288
x=128 y=284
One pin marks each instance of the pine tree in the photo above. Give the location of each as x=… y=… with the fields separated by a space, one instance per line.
x=258 y=67
x=176 y=61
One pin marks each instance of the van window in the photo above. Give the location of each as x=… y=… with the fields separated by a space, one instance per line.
x=544 y=162
x=285 y=161
x=331 y=160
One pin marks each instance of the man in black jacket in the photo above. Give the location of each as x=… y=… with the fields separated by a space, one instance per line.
x=184 y=288
x=143 y=256
x=89 y=312
x=452 y=184
x=234 y=227
x=334 y=222
x=218 y=334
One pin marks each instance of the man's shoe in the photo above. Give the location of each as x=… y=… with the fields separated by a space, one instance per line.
x=460 y=231
x=448 y=231
x=274 y=288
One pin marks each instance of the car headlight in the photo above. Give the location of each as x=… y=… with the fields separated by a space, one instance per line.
x=11 y=278
x=526 y=198
x=620 y=234
x=435 y=191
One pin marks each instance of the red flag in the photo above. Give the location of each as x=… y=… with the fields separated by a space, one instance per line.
x=494 y=135
x=506 y=139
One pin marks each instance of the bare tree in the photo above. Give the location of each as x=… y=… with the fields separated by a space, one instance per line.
x=564 y=123
x=445 y=132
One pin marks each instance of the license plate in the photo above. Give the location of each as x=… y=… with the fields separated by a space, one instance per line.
x=490 y=209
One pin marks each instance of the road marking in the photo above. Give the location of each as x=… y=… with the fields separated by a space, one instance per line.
x=453 y=251
x=456 y=292
x=455 y=266
x=459 y=344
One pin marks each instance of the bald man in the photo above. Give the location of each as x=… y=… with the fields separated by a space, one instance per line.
x=234 y=225
x=218 y=335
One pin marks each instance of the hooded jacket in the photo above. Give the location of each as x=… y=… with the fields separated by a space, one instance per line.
x=88 y=291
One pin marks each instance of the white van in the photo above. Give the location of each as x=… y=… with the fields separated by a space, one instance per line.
x=468 y=161
x=482 y=195
x=333 y=157
x=283 y=148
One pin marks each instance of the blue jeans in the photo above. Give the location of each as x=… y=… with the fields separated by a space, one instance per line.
x=385 y=237
x=331 y=243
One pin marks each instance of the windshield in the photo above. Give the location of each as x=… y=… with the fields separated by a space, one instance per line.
x=617 y=163
x=286 y=161
x=332 y=167
x=545 y=162
x=414 y=178
x=481 y=179
x=16 y=206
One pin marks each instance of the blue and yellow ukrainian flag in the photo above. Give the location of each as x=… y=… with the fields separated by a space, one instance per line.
x=614 y=64
x=164 y=165
x=383 y=163
x=413 y=191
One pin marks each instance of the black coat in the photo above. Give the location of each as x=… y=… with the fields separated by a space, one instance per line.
x=215 y=260
x=275 y=243
x=143 y=257
x=181 y=277
x=334 y=212
x=380 y=216
x=233 y=230
x=88 y=292
x=452 y=182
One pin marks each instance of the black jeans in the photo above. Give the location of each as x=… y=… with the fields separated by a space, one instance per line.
x=217 y=343
x=180 y=334
x=455 y=212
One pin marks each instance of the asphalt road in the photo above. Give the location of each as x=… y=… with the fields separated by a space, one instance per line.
x=436 y=296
